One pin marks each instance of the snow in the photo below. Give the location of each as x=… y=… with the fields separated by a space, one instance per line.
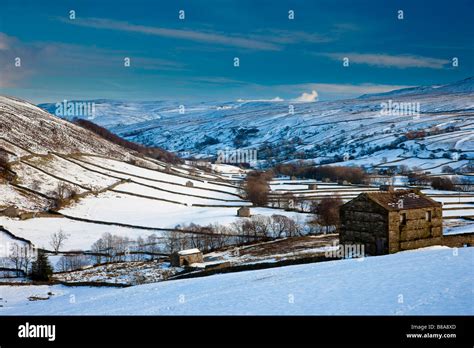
x=131 y=171
x=457 y=226
x=431 y=281
x=178 y=197
x=115 y=207
x=324 y=129
x=10 y=196
x=81 y=235
x=189 y=252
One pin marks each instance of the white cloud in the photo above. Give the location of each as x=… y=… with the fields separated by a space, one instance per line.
x=386 y=60
x=276 y=99
x=307 y=97
x=269 y=40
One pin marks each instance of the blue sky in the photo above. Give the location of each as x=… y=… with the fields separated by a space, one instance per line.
x=193 y=59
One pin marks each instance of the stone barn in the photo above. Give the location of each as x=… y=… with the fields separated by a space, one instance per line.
x=189 y=183
x=12 y=212
x=312 y=186
x=186 y=257
x=389 y=188
x=391 y=221
x=243 y=212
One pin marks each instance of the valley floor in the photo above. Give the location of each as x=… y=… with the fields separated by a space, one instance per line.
x=430 y=281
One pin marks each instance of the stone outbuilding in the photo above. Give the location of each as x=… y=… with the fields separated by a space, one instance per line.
x=186 y=257
x=189 y=183
x=312 y=186
x=243 y=212
x=388 y=188
x=12 y=212
x=391 y=221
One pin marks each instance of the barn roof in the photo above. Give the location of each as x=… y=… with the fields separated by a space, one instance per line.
x=402 y=200
x=189 y=252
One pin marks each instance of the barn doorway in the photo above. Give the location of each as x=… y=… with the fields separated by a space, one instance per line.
x=381 y=246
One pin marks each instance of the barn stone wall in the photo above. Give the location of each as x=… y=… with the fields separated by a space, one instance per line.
x=364 y=222
x=417 y=232
x=178 y=260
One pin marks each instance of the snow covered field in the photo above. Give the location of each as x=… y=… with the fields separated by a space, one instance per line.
x=115 y=207
x=81 y=235
x=431 y=281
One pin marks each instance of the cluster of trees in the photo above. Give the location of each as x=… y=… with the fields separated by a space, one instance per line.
x=256 y=187
x=355 y=175
x=243 y=231
x=440 y=182
x=153 y=152
x=31 y=262
x=110 y=248
x=73 y=261
x=443 y=183
x=21 y=257
x=63 y=194
x=326 y=212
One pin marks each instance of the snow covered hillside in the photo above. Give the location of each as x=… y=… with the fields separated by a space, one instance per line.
x=94 y=186
x=27 y=129
x=432 y=129
x=431 y=281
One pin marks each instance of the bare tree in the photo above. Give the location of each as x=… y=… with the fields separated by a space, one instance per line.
x=98 y=251
x=72 y=262
x=328 y=211
x=62 y=194
x=280 y=224
x=21 y=258
x=57 y=240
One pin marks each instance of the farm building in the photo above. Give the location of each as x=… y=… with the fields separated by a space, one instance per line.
x=243 y=212
x=391 y=221
x=312 y=186
x=189 y=183
x=186 y=257
x=11 y=211
x=387 y=188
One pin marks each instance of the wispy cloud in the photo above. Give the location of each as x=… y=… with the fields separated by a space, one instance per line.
x=191 y=35
x=268 y=40
x=285 y=37
x=386 y=60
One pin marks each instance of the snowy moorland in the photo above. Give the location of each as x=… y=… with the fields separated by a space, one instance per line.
x=433 y=129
